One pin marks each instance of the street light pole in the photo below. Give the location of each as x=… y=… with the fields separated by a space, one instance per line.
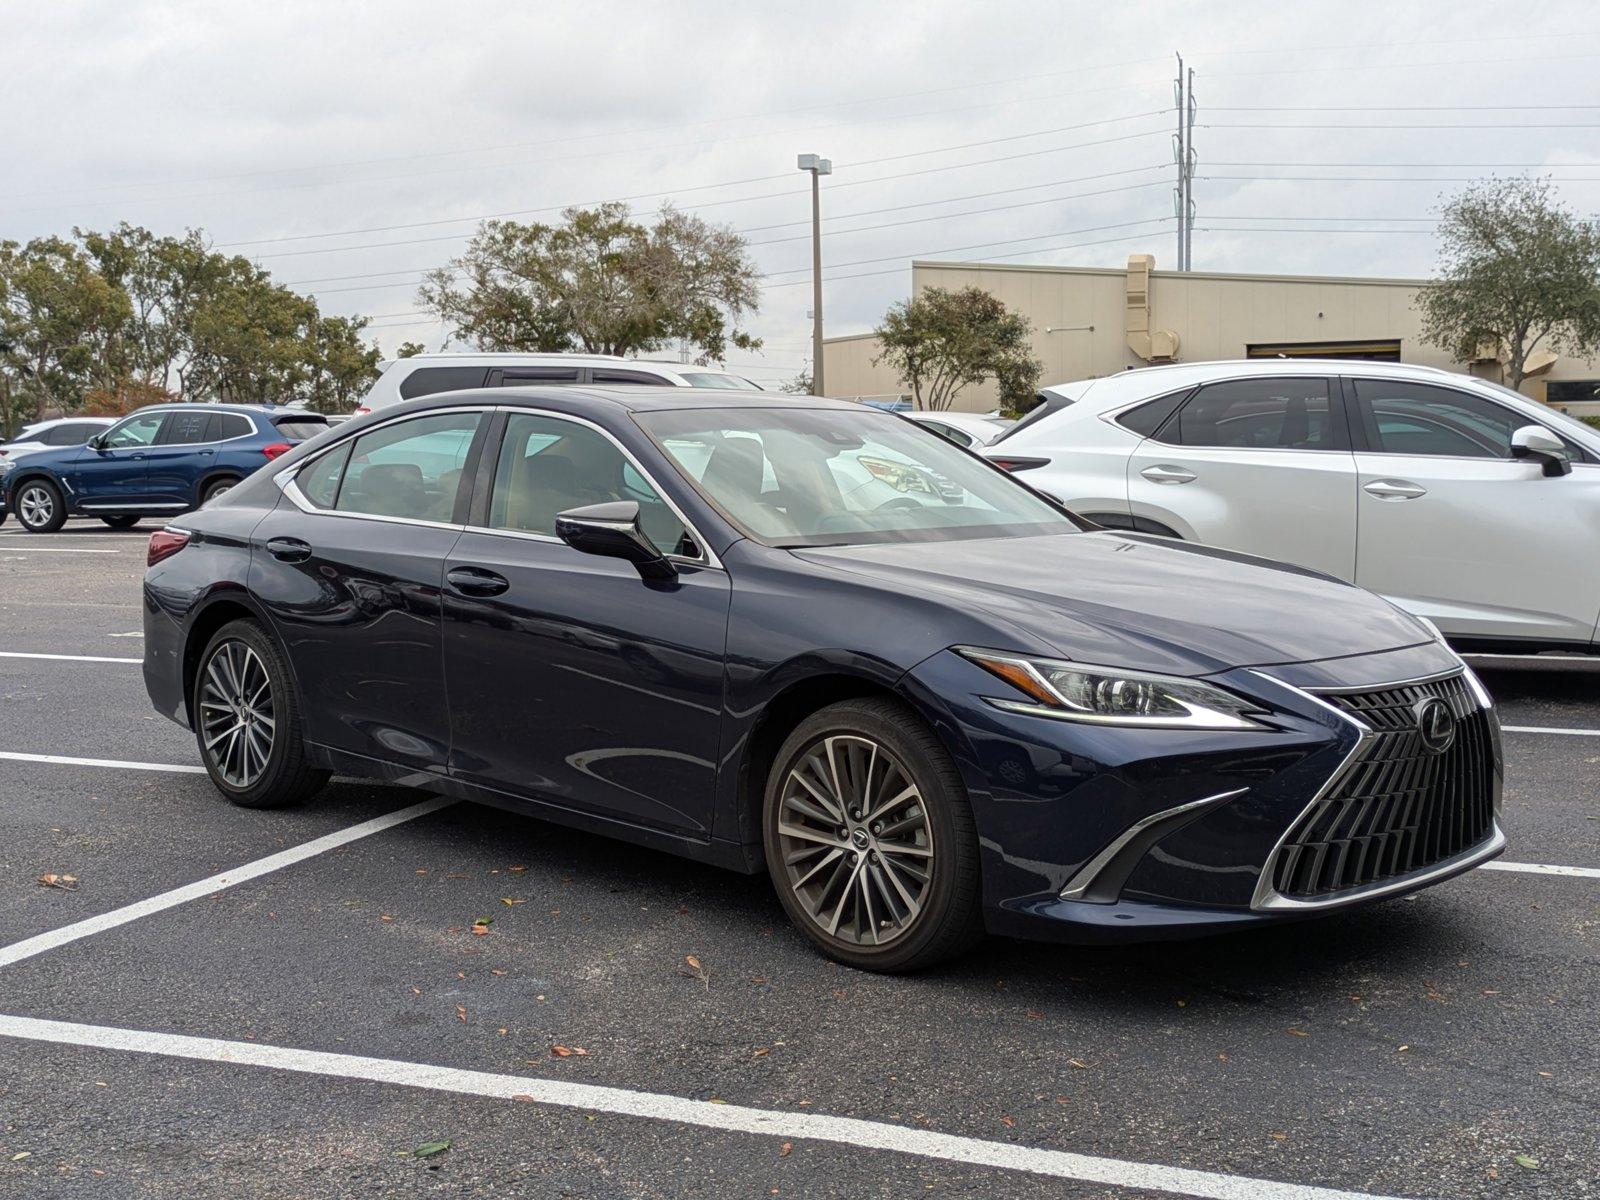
x=818 y=167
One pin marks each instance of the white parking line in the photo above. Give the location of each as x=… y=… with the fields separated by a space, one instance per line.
x=89 y=926
x=737 y=1118
x=1550 y=729
x=53 y=550
x=1544 y=869
x=1588 y=658
x=67 y=657
x=66 y=760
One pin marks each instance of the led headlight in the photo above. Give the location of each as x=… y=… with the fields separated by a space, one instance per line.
x=1111 y=696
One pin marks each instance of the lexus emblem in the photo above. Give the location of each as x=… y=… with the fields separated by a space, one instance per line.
x=1436 y=724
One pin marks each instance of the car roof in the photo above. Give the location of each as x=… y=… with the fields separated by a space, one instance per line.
x=655 y=399
x=513 y=357
x=1155 y=380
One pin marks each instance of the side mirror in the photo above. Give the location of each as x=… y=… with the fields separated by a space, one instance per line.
x=97 y=442
x=611 y=530
x=1539 y=444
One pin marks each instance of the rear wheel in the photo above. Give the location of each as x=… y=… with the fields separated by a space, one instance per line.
x=40 y=506
x=869 y=838
x=247 y=721
x=121 y=522
x=213 y=490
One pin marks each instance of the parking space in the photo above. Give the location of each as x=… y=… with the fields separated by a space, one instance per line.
x=304 y=1024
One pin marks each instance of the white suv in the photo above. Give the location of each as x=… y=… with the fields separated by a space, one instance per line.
x=426 y=374
x=1458 y=499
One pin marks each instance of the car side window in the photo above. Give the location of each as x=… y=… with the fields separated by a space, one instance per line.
x=69 y=434
x=1258 y=414
x=138 y=430
x=429 y=381
x=611 y=375
x=319 y=480
x=411 y=469
x=1147 y=419
x=1418 y=418
x=949 y=433
x=186 y=428
x=548 y=465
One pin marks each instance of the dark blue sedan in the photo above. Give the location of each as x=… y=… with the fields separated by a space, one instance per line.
x=812 y=639
x=161 y=460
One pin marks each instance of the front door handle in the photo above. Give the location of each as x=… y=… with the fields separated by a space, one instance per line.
x=1167 y=474
x=475 y=581
x=288 y=549
x=1394 y=489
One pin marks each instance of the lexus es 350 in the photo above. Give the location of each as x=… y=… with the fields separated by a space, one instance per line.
x=810 y=639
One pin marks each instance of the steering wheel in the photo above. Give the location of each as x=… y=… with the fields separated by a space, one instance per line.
x=898 y=502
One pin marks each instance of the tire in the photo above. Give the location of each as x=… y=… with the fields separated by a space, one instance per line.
x=238 y=660
x=216 y=488
x=40 y=506
x=882 y=917
x=121 y=522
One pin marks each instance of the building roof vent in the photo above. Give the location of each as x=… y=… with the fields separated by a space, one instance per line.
x=1160 y=345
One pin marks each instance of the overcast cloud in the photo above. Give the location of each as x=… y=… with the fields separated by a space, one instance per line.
x=258 y=122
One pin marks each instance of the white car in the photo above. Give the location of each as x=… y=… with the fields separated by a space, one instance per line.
x=1458 y=499
x=427 y=374
x=46 y=435
x=970 y=430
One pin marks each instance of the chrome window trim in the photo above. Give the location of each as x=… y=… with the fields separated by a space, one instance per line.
x=1110 y=415
x=1494 y=401
x=1267 y=898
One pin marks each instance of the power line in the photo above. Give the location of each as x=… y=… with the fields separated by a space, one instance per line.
x=1233 y=125
x=1398 y=107
x=1406 y=165
x=1497 y=38
x=1393 y=66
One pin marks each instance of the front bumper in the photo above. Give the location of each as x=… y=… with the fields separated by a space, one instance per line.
x=1095 y=833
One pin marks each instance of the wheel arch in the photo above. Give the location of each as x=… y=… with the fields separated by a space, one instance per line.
x=215 y=475
x=202 y=627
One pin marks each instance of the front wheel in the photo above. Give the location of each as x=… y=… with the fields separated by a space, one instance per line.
x=40 y=506
x=247 y=721
x=870 y=841
x=121 y=522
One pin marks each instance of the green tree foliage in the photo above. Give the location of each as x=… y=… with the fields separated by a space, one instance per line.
x=601 y=283
x=1517 y=272
x=942 y=341
x=117 y=319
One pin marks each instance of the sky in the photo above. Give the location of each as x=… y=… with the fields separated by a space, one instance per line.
x=347 y=146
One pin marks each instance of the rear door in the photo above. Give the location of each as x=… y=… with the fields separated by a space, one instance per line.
x=1454 y=528
x=185 y=441
x=116 y=473
x=1260 y=465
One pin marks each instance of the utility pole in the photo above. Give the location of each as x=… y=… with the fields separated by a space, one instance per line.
x=1188 y=176
x=818 y=167
x=1180 y=194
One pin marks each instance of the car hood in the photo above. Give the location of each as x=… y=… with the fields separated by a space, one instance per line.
x=1140 y=602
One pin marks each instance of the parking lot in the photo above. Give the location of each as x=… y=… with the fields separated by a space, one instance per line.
x=306 y=1003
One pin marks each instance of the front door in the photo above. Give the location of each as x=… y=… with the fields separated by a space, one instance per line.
x=1452 y=527
x=350 y=566
x=1260 y=465
x=115 y=472
x=572 y=681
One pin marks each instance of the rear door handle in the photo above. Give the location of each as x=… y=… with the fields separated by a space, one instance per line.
x=475 y=581
x=1394 y=489
x=1162 y=473
x=288 y=549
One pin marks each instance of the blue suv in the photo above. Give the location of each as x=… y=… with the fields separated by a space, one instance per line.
x=159 y=461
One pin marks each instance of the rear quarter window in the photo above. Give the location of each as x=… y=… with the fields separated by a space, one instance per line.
x=300 y=427
x=427 y=381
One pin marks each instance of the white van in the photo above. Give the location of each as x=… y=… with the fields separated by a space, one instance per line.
x=425 y=374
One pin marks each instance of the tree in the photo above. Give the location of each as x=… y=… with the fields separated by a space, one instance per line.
x=800 y=385
x=599 y=282
x=1517 y=271
x=340 y=368
x=941 y=341
x=410 y=350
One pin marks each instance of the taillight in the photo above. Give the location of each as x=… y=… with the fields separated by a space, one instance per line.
x=276 y=449
x=1013 y=464
x=164 y=543
x=361 y=410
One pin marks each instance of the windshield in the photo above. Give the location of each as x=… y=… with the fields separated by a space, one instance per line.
x=715 y=379
x=821 y=477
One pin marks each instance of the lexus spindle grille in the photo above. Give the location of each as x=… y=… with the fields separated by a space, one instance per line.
x=1398 y=807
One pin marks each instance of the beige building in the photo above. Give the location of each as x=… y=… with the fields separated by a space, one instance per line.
x=1090 y=321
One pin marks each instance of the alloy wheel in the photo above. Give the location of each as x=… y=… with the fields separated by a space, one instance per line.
x=236 y=713
x=856 y=843
x=36 y=505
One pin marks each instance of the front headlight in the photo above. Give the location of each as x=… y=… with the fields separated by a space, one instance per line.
x=1110 y=696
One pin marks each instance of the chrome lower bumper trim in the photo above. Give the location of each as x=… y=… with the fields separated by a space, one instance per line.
x=1155 y=826
x=1465 y=861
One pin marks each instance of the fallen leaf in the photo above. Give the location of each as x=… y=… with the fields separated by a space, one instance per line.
x=66 y=883
x=694 y=963
x=785 y=1150
x=1073 y=1062
x=416 y=991
x=1298 y=1033
x=21 y=1154
x=518 y=868
x=568 y=1051
x=508 y=901
x=1183 y=1004
x=1223 y=1057
x=523 y=1096
x=1008 y=1122
x=461 y=1012
x=497 y=970
x=1527 y=1161
x=762 y=1051
x=1402 y=1049
x=429 y=1149
x=1033 y=1015
x=385 y=917
x=1280 y=1137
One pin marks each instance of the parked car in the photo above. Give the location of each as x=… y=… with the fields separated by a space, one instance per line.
x=43 y=435
x=968 y=430
x=161 y=460
x=1460 y=500
x=429 y=374
x=657 y=614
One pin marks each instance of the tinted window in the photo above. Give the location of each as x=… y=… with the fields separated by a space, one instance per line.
x=512 y=378
x=70 y=433
x=425 y=381
x=948 y=432
x=138 y=430
x=319 y=482
x=1149 y=417
x=410 y=469
x=715 y=379
x=1258 y=414
x=548 y=465
x=232 y=425
x=300 y=426
x=1416 y=418
x=608 y=375
x=187 y=428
